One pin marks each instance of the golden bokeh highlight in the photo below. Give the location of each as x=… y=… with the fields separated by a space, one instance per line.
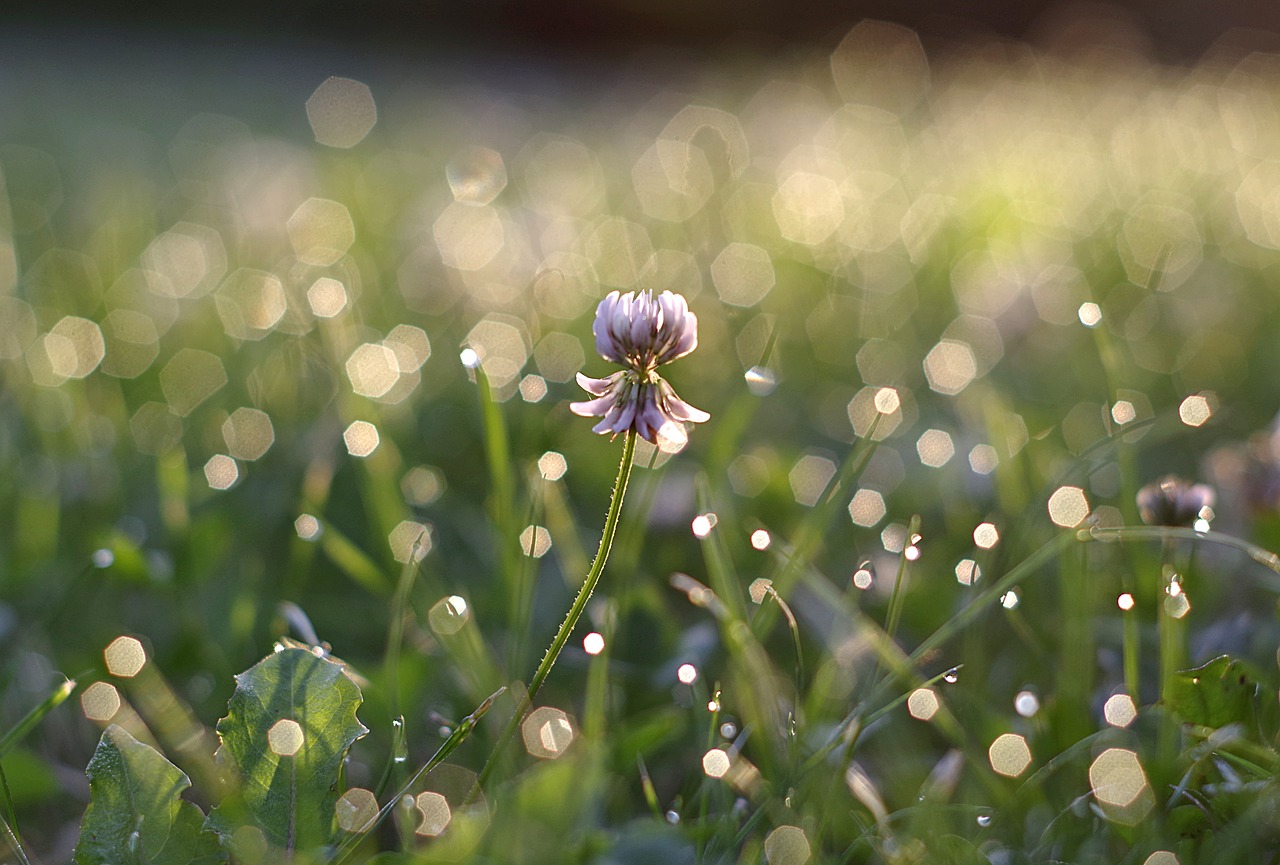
x=361 y=438
x=373 y=370
x=341 y=112
x=327 y=297
x=1009 y=755
x=552 y=465
x=409 y=540
x=131 y=341
x=715 y=763
x=1161 y=857
x=743 y=274
x=809 y=478
x=476 y=175
x=155 y=428
x=221 y=472
x=469 y=237
x=787 y=845
x=125 y=657
x=1120 y=786
x=968 y=572
x=1195 y=410
x=189 y=378
x=74 y=347
x=188 y=260
x=285 y=738
x=950 y=367
x=759 y=589
x=867 y=508
x=250 y=303
x=935 y=448
x=422 y=485
x=535 y=541
x=922 y=704
x=1119 y=710
x=986 y=535
x=248 y=434
x=100 y=702
x=321 y=231
x=761 y=539
x=356 y=810
x=435 y=814
x=1068 y=507
x=547 y=733
x=307 y=527
x=593 y=643
x=448 y=615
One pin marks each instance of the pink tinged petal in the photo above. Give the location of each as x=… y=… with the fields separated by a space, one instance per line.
x=677 y=409
x=592 y=408
x=597 y=386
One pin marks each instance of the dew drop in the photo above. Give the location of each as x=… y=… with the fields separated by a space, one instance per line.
x=728 y=730
x=951 y=676
x=103 y=558
x=673 y=818
x=984 y=820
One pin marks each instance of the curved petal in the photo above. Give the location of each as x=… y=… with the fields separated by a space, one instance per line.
x=592 y=408
x=597 y=386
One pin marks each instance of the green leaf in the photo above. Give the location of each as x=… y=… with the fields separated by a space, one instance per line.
x=1219 y=693
x=135 y=813
x=288 y=727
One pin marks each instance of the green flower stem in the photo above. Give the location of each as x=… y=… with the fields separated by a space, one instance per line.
x=575 y=611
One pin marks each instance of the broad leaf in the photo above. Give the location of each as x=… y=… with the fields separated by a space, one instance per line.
x=135 y=813
x=287 y=730
x=1219 y=693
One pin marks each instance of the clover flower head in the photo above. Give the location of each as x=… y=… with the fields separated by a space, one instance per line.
x=640 y=333
x=1171 y=501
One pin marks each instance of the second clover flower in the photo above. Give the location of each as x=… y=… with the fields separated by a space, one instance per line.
x=640 y=333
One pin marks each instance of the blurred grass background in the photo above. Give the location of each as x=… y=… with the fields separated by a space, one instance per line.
x=235 y=283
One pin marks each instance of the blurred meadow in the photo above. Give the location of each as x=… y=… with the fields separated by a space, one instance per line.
x=286 y=355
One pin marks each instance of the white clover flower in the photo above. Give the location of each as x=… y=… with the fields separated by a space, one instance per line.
x=641 y=334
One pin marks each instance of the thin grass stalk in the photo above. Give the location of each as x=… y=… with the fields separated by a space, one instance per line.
x=611 y=521
x=395 y=628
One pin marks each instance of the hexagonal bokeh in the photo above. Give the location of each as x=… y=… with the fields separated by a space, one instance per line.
x=468 y=236
x=155 y=428
x=356 y=809
x=476 y=175
x=361 y=438
x=547 y=733
x=341 y=112
x=502 y=344
x=950 y=367
x=808 y=208
x=327 y=297
x=422 y=485
x=1119 y=783
x=131 y=342
x=189 y=378
x=672 y=180
x=74 y=347
x=372 y=369
x=866 y=508
x=923 y=704
x=787 y=845
x=248 y=433
x=410 y=540
x=436 y=814
x=809 y=477
x=221 y=472
x=618 y=250
x=1068 y=507
x=411 y=346
x=935 y=448
x=1009 y=755
x=321 y=231
x=188 y=260
x=250 y=303
x=558 y=356
x=743 y=274
x=125 y=657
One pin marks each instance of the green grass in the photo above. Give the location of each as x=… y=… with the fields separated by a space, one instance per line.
x=942 y=247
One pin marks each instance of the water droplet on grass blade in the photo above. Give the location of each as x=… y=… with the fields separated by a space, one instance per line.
x=951 y=676
x=984 y=820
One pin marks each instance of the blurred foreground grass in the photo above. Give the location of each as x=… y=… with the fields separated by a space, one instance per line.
x=997 y=290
